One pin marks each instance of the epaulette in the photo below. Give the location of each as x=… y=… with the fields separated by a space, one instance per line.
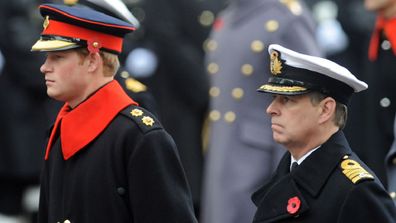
x=354 y=171
x=293 y=5
x=143 y=118
x=133 y=84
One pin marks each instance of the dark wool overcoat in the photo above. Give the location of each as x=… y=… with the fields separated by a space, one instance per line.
x=319 y=190
x=105 y=165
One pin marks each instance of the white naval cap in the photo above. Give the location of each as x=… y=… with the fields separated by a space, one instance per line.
x=295 y=73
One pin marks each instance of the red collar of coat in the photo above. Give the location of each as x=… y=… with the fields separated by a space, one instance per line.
x=80 y=126
x=388 y=26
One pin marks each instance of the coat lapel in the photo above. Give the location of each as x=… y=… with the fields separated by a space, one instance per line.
x=275 y=198
x=321 y=163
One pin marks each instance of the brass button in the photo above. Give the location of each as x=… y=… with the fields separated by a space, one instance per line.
x=294 y=6
x=392 y=194
x=214 y=115
x=206 y=18
x=121 y=191
x=257 y=46
x=213 y=68
x=67 y=221
x=124 y=74
x=210 y=45
x=385 y=102
x=229 y=117
x=237 y=93
x=247 y=69
x=385 y=45
x=214 y=91
x=272 y=25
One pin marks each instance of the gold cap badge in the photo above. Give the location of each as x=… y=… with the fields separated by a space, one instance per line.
x=46 y=22
x=354 y=171
x=70 y=2
x=276 y=64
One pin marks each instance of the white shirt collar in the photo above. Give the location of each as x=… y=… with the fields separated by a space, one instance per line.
x=299 y=161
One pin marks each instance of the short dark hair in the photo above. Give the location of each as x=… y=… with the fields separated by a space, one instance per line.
x=341 y=111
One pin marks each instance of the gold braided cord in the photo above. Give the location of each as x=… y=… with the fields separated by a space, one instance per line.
x=267 y=87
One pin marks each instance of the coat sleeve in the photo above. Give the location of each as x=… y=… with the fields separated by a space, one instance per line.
x=159 y=191
x=368 y=202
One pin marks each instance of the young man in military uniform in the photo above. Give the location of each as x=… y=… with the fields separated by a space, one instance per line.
x=319 y=179
x=107 y=160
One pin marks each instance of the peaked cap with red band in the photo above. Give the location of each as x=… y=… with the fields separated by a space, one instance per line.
x=68 y=27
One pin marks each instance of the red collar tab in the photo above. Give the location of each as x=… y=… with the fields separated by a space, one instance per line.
x=388 y=26
x=83 y=124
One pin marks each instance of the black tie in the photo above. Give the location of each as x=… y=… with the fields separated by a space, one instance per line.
x=293 y=166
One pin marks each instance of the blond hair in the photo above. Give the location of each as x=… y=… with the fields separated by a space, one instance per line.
x=111 y=63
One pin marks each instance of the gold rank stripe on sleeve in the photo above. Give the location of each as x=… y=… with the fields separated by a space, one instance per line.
x=354 y=171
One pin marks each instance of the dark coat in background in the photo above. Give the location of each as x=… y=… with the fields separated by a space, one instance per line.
x=137 y=90
x=380 y=108
x=24 y=114
x=318 y=190
x=174 y=31
x=241 y=152
x=25 y=110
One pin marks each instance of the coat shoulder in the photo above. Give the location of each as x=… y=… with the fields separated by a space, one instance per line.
x=142 y=118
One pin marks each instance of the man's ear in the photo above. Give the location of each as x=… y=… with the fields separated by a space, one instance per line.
x=94 y=62
x=328 y=107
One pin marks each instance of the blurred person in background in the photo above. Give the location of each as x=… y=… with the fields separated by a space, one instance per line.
x=167 y=56
x=381 y=99
x=241 y=152
x=25 y=111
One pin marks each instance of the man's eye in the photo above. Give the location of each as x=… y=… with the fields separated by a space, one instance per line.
x=285 y=99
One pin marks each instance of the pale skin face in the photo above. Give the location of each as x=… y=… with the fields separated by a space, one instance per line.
x=71 y=79
x=298 y=124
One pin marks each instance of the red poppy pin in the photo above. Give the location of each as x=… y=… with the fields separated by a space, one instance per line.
x=293 y=205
